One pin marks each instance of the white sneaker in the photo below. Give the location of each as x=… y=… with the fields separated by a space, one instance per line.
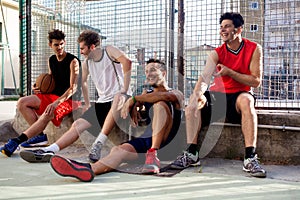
x=95 y=153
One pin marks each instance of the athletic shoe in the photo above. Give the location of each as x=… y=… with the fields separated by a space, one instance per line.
x=95 y=153
x=186 y=160
x=152 y=163
x=9 y=148
x=36 y=156
x=251 y=165
x=72 y=168
x=36 y=141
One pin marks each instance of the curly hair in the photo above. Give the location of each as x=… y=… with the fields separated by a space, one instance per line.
x=56 y=34
x=89 y=38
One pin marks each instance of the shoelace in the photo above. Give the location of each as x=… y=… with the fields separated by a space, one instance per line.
x=95 y=149
x=184 y=158
x=255 y=164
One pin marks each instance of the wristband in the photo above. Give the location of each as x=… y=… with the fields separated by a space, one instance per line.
x=133 y=99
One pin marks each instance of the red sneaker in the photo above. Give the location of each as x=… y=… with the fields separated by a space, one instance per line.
x=72 y=168
x=152 y=163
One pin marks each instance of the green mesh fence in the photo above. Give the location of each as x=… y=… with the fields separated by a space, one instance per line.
x=179 y=32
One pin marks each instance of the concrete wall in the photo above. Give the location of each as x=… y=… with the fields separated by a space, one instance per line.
x=275 y=145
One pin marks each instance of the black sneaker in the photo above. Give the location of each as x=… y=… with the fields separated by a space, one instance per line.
x=36 y=156
x=251 y=165
x=9 y=148
x=186 y=160
x=36 y=141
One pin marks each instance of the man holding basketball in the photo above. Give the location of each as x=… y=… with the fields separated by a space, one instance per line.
x=236 y=66
x=110 y=70
x=39 y=109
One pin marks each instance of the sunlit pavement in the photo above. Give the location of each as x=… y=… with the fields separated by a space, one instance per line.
x=215 y=179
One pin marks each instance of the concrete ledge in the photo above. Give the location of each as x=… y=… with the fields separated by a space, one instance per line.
x=278 y=138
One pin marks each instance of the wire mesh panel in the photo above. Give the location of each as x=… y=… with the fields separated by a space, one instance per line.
x=139 y=28
x=273 y=24
x=45 y=16
x=149 y=28
x=281 y=54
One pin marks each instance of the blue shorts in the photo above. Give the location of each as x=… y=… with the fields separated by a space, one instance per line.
x=143 y=143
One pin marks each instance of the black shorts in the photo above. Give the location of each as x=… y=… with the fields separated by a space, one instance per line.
x=143 y=143
x=96 y=115
x=220 y=107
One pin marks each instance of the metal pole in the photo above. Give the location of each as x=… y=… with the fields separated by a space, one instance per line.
x=2 y=74
x=180 y=46
x=9 y=53
x=22 y=50
x=28 y=45
x=171 y=43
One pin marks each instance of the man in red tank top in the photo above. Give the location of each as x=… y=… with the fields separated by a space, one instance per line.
x=236 y=67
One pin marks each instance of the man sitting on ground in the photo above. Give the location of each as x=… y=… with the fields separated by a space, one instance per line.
x=167 y=104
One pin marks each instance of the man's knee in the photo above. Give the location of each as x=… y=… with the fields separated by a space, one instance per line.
x=245 y=102
x=21 y=103
x=81 y=125
x=28 y=101
x=160 y=106
x=124 y=150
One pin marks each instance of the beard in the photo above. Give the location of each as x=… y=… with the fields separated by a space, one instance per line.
x=154 y=85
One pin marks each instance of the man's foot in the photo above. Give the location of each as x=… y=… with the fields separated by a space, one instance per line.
x=9 y=148
x=152 y=163
x=36 y=156
x=186 y=160
x=251 y=165
x=37 y=141
x=95 y=153
x=72 y=168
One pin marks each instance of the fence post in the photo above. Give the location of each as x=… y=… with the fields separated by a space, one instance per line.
x=180 y=46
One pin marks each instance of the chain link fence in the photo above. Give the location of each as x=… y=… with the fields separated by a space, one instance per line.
x=179 y=32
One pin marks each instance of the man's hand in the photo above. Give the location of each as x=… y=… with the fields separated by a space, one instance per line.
x=222 y=70
x=127 y=108
x=35 y=89
x=85 y=108
x=51 y=108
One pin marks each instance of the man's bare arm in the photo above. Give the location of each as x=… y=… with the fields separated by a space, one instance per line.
x=174 y=96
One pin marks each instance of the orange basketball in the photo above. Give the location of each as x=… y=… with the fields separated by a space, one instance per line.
x=45 y=83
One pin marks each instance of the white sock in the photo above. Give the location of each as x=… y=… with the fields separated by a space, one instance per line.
x=53 y=147
x=101 y=137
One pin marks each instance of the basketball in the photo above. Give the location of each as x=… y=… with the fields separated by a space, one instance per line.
x=45 y=83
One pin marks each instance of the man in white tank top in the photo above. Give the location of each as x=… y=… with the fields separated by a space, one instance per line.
x=110 y=71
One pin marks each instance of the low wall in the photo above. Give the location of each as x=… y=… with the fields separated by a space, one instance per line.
x=278 y=138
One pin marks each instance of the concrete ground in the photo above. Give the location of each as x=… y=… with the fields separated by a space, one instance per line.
x=215 y=179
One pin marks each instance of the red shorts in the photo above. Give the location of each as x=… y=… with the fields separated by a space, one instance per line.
x=62 y=110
